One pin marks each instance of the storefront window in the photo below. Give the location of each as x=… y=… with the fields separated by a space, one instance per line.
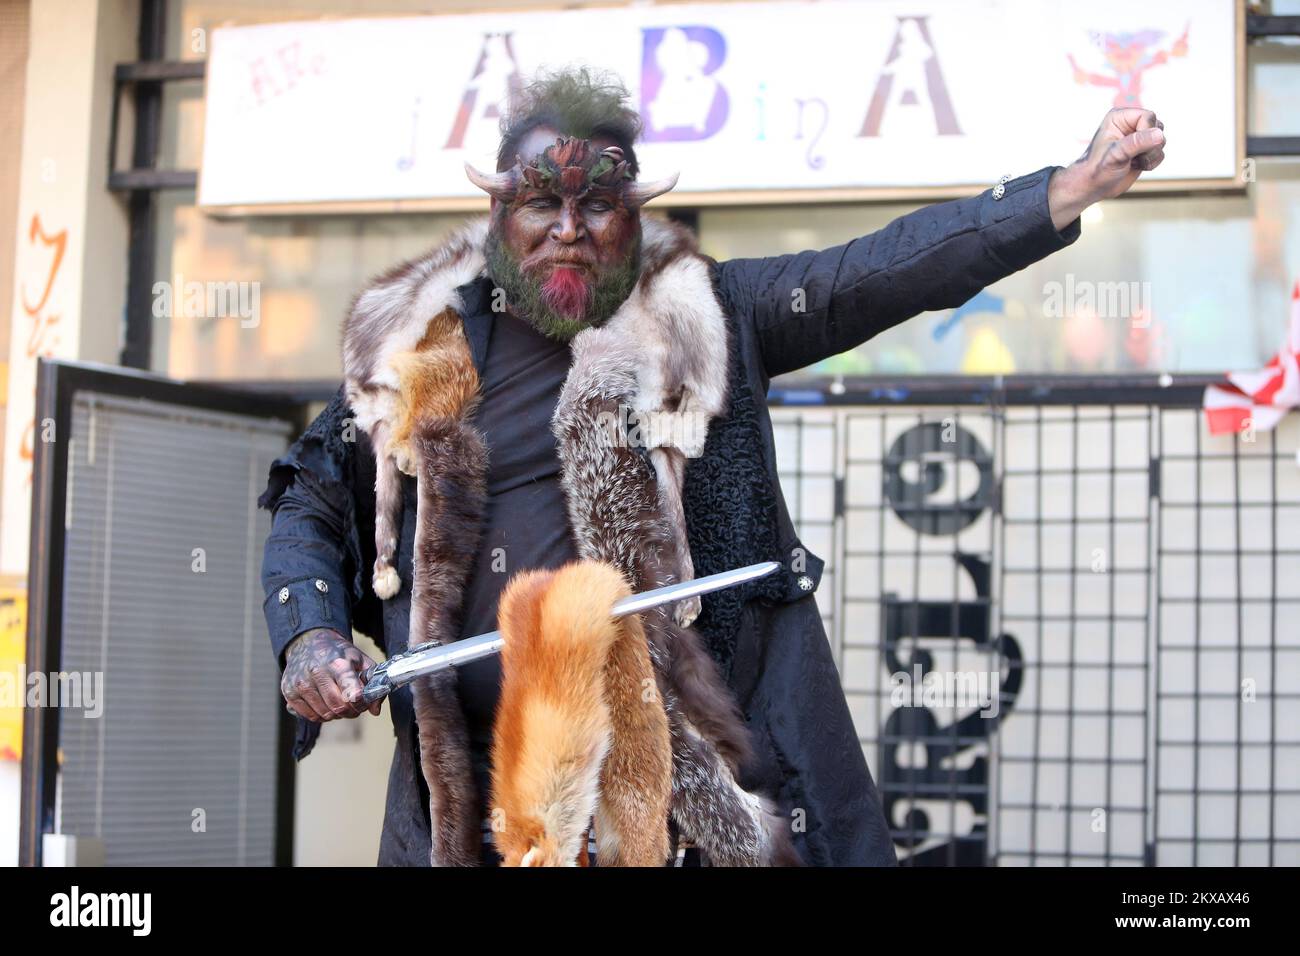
x=1119 y=300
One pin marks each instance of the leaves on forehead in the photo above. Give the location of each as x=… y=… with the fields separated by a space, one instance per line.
x=573 y=179
x=536 y=178
x=609 y=171
x=570 y=151
x=572 y=165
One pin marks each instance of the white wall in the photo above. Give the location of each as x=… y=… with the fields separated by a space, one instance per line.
x=339 y=800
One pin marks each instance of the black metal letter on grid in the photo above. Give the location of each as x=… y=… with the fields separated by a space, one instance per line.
x=939 y=780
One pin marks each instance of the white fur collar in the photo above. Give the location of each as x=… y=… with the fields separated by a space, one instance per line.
x=672 y=315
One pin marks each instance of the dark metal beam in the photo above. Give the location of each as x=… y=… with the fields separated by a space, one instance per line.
x=137 y=344
x=160 y=71
x=1273 y=145
x=131 y=180
x=1174 y=391
x=1269 y=26
x=44 y=613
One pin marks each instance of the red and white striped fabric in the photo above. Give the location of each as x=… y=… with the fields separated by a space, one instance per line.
x=1259 y=399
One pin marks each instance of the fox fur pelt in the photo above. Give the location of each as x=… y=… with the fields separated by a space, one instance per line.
x=576 y=734
x=659 y=365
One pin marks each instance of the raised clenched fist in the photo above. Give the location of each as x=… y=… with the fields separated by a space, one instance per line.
x=1128 y=142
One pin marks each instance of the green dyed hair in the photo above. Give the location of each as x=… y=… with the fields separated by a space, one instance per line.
x=576 y=101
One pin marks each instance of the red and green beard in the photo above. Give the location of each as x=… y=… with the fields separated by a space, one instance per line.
x=559 y=299
x=567 y=292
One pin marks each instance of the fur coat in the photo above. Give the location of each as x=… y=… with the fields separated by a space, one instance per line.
x=656 y=367
x=766 y=638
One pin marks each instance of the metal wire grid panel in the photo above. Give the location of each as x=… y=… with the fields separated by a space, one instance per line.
x=1075 y=593
x=808 y=461
x=1034 y=677
x=1227 y=684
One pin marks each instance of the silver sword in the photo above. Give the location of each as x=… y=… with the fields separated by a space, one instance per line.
x=386 y=676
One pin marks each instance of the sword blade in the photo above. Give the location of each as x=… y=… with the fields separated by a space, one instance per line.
x=386 y=677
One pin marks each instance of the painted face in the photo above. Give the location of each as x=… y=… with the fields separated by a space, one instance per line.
x=565 y=237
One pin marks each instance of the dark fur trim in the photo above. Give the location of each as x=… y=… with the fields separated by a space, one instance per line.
x=732 y=826
x=452 y=495
x=694 y=676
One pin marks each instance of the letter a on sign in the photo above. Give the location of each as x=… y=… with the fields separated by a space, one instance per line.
x=495 y=79
x=910 y=77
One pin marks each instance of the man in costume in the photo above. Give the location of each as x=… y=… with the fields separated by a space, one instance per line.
x=564 y=255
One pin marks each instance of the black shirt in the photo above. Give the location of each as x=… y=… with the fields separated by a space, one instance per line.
x=526 y=524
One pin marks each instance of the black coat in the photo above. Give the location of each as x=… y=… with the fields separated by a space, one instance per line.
x=786 y=313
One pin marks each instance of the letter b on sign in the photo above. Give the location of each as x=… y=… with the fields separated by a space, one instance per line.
x=681 y=100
